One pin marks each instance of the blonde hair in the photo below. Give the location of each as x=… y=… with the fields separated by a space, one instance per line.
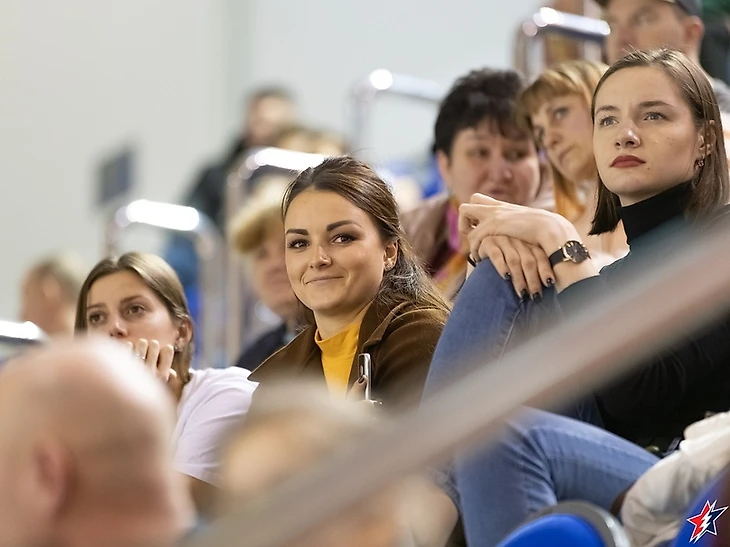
x=578 y=77
x=260 y=217
x=67 y=269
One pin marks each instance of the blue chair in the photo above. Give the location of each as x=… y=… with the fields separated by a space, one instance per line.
x=569 y=524
x=709 y=506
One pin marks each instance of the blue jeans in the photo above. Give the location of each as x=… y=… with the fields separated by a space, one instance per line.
x=542 y=458
x=488 y=320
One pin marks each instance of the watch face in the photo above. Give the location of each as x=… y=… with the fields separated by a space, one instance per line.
x=576 y=251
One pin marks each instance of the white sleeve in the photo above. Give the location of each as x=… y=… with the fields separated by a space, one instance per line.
x=197 y=452
x=655 y=506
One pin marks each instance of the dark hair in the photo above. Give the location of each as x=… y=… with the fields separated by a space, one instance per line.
x=710 y=187
x=482 y=95
x=407 y=281
x=158 y=276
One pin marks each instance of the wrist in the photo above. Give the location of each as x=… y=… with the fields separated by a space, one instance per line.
x=557 y=234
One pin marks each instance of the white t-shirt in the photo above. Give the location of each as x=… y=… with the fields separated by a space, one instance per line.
x=213 y=401
x=656 y=506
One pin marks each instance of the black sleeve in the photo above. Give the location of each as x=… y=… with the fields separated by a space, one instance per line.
x=573 y=298
x=660 y=384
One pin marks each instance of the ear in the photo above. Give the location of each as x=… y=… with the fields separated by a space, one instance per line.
x=707 y=140
x=390 y=256
x=444 y=166
x=184 y=332
x=52 y=477
x=694 y=30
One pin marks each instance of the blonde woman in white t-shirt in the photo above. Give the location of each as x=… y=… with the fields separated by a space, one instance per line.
x=138 y=299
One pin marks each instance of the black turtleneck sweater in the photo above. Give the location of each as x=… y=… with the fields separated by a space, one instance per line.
x=660 y=398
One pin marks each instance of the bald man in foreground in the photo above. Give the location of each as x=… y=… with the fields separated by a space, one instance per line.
x=85 y=451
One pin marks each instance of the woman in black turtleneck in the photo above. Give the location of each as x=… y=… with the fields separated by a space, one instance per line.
x=662 y=168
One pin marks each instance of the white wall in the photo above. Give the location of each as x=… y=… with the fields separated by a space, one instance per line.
x=80 y=78
x=320 y=47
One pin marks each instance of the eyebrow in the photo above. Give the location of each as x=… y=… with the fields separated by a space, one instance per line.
x=339 y=223
x=649 y=104
x=643 y=104
x=124 y=301
x=606 y=108
x=299 y=231
x=329 y=227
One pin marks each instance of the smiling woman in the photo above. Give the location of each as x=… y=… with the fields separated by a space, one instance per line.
x=351 y=267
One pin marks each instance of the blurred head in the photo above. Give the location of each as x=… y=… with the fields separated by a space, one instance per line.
x=311 y=141
x=50 y=290
x=556 y=109
x=290 y=430
x=479 y=147
x=85 y=445
x=345 y=244
x=269 y=111
x=653 y=24
x=258 y=234
x=656 y=125
x=295 y=137
x=135 y=296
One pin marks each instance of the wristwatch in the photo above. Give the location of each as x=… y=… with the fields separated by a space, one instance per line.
x=572 y=251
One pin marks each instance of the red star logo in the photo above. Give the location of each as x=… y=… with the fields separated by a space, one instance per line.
x=705 y=522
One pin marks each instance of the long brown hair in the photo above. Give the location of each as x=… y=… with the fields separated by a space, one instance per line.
x=568 y=78
x=161 y=279
x=407 y=281
x=710 y=187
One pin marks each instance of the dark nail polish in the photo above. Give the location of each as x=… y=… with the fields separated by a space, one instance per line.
x=471 y=260
x=525 y=295
x=508 y=275
x=361 y=380
x=550 y=282
x=537 y=297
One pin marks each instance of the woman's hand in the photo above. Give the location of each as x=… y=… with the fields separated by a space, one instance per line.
x=157 y=358
x=357 y=393
x=484 y=216
x=527 y=266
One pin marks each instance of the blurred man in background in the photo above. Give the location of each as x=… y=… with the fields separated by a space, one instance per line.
x=650 y=24
x=49 y=292
x=85 y=450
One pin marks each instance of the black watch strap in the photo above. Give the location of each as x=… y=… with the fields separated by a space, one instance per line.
x=572 y=251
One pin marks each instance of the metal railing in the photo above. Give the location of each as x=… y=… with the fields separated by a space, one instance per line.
x=547 y=21
x=565 y=362
x=241 y=300
x=364 y=93
x=13 y=333
x=209 y=249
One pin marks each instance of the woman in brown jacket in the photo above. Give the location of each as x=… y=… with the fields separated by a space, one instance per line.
x=361 y=285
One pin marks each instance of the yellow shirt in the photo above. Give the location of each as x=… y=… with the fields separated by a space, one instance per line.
x=338 y=352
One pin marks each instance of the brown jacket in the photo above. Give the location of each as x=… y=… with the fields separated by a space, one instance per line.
x=425 y=227
x=400 y=342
